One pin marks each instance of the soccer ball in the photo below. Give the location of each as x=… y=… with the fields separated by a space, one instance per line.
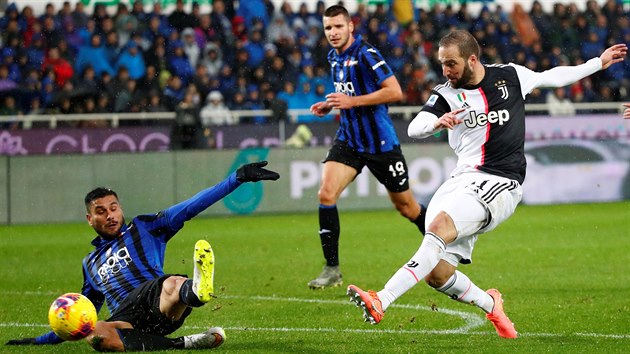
x=72 y=316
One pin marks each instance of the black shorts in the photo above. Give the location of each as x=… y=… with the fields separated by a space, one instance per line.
x=389 y=168
x=141 y=308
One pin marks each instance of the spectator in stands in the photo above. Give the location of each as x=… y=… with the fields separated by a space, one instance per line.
x=222 y=25
x=190 y=46
x=279 y=30
x=137 y=11
x=112 y=47
x=155 y=102
x=179 y=18
x=205 y=33
x=87 y=81
x=173 y=92
x=9 y=108
x=125 y=23
x=132 y=59
x=93 y=54
x=212 y=59
x=215 y=112
x=186 y=129
x=558 y=103
x=178 y=63
x=253 y=10
x=62 y=69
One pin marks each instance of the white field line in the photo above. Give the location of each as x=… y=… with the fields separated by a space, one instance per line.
x=471 y=320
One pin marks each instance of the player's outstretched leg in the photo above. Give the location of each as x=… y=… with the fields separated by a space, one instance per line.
x=503 y=325
x=203 y=279
x=209 y=339
x=329 y=277
x=368 y=301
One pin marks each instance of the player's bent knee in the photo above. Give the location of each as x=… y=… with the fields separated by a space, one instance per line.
x=171 y=285
x=105 y=337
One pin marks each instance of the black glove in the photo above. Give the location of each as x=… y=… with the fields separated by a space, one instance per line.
x=254 y=172
x=23 y=341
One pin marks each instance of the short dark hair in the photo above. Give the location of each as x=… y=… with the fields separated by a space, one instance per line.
x=336 y=10
x=97 y=193
x=465 y=42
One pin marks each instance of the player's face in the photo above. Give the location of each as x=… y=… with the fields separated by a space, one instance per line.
x=106 y=216
x=338 y=31
x=455 y=68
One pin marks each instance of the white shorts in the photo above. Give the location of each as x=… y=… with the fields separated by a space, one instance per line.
x=477 y=202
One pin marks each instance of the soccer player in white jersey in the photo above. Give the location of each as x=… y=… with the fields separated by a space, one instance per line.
x=482 y=106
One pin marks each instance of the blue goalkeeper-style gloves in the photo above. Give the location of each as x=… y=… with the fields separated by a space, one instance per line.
x=254 y=172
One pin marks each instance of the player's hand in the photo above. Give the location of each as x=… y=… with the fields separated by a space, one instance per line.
x=449 y=120
x=254 y=172
x=23 y=341
x=614 y=54
x=626 y=112
x=321 y=109
x=339 y=100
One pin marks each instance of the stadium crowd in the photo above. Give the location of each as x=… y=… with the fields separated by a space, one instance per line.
x=257 y=56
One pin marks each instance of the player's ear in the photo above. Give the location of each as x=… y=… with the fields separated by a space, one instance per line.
x=351 y=26
x=89 y=219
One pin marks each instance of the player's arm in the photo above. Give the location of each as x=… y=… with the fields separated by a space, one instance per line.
x=566 y=75
x=186 y=210
x=389 y=92
x=435 y=115
x=626 y=112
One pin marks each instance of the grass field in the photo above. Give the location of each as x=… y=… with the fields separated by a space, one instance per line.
x=563 y=270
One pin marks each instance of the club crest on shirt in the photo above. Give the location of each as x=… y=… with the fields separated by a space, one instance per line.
x=501 y=85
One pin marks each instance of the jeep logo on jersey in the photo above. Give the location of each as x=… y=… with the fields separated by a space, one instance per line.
x=344 y=87
x=113 y=264
x=474 y=119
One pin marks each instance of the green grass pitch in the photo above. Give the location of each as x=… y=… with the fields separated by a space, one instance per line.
x=563 y=270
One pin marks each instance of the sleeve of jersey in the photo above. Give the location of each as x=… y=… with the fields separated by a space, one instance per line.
x=555 y=77
x=186 y=210
x=377 y=64
x=48 y=338
x=422 y=125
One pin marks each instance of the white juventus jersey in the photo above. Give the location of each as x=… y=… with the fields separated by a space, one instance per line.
x=492 y=136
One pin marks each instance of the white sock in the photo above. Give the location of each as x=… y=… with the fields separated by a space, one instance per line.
x=460 y=288
x=426 y=258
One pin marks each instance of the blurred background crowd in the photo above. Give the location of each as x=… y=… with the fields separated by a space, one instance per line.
x=262 y=56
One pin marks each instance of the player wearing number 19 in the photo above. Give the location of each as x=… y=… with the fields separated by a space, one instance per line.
x=364 y=85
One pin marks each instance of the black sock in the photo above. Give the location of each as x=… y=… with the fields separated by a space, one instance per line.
x=329 y=233
x=187 y=296
x=420 y=220
x=135 y=340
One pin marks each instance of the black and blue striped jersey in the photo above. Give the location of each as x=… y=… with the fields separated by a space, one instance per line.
x=360 y=70
x=117 y=266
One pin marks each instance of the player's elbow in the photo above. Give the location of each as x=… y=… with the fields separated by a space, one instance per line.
x=397 y=95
